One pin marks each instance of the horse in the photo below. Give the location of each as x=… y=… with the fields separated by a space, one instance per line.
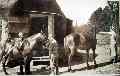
x=23 y=55
x=80 y=40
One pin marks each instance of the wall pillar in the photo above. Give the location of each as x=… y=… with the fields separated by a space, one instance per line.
x=51 y=26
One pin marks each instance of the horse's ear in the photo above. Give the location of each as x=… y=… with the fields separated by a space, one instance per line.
x=41 y=32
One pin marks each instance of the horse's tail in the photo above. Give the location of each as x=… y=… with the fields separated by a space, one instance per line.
x=2 y=53
x=66 y=47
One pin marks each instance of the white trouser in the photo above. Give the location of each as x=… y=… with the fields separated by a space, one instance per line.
x=113 y=52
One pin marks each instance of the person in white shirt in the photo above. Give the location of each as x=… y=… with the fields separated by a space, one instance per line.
x=19 y=40
x=113 y=47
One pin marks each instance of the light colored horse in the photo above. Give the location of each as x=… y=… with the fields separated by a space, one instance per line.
x=82 y=41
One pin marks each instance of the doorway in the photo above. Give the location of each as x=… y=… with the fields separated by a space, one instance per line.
x=39 y=24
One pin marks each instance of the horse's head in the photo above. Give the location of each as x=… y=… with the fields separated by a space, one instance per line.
x=51 y=42
x=38 y=39
x=43 y=34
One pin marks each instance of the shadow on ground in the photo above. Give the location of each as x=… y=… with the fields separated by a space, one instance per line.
x=41 y=72
x=78 y=58
x=37 y=71
x=90 y=67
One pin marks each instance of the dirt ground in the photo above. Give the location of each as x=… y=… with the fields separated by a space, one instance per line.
x=104 y=67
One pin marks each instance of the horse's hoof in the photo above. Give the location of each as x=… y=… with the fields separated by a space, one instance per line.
x=28 y=73
x=6 y=73
x=95 y=66
x=114 y=60
x=56 y=73
x=69 y=70
x=20 y=73
x=88 y=67
x=43 y=68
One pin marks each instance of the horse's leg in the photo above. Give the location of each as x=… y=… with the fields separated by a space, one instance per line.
x=69 y=62
x=27 y=65
x=51 y=62
x=94 y=56
x=3 y=64
x=87 y=59
x=1 y=55
x=21 y=69
x=116 y=55
x=56 y=66
x=56 y=72
x=70 y=58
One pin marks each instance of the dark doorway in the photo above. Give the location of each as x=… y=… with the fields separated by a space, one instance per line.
x=39 y=24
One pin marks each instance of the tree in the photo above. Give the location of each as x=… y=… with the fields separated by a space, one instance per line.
x=97 y=19
x=101 y=19
x=107 y=14
x=114 y=5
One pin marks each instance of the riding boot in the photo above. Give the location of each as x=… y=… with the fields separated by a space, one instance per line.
x=21 y=70
x=27 y=65
x=4 y=65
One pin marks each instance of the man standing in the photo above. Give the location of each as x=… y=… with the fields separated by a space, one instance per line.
x=113 y=47
x=19 y=40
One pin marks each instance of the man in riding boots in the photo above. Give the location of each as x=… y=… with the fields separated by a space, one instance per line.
x=53 y=52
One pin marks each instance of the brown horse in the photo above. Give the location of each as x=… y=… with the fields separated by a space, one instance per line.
x=23 y=55
x=83 y=40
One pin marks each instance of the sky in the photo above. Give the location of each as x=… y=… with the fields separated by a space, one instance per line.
x=80 y=10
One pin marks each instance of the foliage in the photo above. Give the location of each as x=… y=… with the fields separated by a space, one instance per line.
x=114 y=5
x=101 y=19
x=104 y=18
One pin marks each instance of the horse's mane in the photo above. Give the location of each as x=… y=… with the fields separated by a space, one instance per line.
x=33 y=37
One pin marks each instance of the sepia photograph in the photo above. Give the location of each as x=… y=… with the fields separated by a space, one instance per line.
x=60 y=37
